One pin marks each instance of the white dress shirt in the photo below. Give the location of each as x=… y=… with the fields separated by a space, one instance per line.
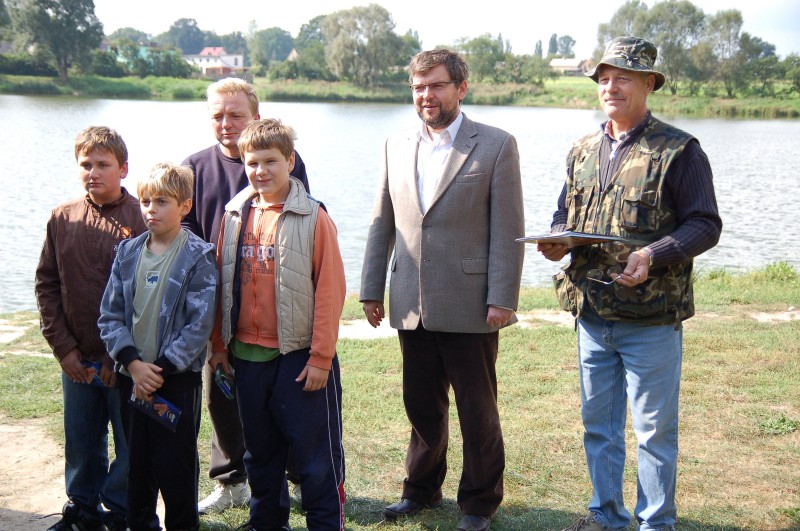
x=431 y=159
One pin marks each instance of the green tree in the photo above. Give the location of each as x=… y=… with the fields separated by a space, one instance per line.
x=361 y=45
x=130 y=34
x=723 y=33
x=537 y=52
x=167 y=63
x=310 y=33
x=702 y=66
x=485 y=56
x=183 y=34
x=132 y=56
x=105 y=63
x=552 y=47
x=761 y=65
x=527 y=69
x=68 y=30
x=565 y=46
x=791 y=66
x=629 y=19
x=676 y=25
x=270 y=45
x=310 y=46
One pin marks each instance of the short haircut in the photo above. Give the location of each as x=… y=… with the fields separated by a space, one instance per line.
x=425 y=61
x=167 y=180
x=104 y=139
x=232 y=86
x=267 y=134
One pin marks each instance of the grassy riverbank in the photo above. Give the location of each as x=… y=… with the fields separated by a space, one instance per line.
x=740 y=407
x=564 y=92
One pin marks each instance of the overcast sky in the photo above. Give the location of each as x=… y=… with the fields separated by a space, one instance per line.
x=775 y=21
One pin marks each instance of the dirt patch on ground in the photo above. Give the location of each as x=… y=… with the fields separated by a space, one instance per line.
x=31 y=478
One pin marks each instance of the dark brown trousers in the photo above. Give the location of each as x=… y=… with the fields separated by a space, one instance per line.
x=432 y=362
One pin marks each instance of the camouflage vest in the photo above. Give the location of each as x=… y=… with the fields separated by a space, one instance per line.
x=629 y=206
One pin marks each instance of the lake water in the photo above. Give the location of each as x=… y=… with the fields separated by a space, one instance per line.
x=754 y=162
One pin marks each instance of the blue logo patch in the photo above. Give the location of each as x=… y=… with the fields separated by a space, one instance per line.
x=151 y=279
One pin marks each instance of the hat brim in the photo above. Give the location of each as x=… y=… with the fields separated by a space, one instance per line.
x=660 y=78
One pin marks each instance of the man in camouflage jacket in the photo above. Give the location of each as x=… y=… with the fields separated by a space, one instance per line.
x=650 y=183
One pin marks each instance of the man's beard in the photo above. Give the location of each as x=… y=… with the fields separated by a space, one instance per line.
x=444 y=118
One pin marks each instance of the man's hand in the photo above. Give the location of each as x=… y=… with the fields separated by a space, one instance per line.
x=107 y=374
x=146 y=378
x=71 y=365
x=374 y=312
x=315 y=378
x=635 y=272
x=553 y=251
x=497 y=317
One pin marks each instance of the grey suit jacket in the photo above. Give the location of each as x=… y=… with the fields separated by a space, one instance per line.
x=448 y=265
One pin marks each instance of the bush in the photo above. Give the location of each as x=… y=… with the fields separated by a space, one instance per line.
x=25 y=65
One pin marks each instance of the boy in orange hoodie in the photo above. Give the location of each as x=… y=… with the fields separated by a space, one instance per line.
x=282 y=293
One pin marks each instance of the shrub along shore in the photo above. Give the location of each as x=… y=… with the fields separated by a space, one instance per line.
x=563 y=92
x=739 y=432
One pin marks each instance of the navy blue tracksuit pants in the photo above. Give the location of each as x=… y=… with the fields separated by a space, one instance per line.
x=277 y=414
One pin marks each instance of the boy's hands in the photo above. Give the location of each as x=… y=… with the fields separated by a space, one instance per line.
x=71 y=365
x=146 y=379
x=315 y=378
x=220 y=357
x=107 y=374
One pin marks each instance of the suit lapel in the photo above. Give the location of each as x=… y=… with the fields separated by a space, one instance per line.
x=413 y=147
x=463 y=145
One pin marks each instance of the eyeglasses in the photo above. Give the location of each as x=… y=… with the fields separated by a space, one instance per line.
x=435 y=87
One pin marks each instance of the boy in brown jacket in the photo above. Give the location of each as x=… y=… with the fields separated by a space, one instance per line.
x=82 y=238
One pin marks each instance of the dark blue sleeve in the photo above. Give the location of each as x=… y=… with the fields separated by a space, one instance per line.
x=190 y=222
x=299 y=171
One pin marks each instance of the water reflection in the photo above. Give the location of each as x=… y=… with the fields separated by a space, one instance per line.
x=753 y=163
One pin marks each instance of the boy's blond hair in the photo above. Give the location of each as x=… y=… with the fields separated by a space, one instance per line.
x=232 y=86
x=267 y=134
x=168 y=180
x=104 y=139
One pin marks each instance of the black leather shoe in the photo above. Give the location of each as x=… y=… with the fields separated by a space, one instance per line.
x=473 y=522
x=404 y=507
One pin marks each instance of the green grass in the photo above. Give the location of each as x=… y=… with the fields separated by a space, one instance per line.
x=740 y=413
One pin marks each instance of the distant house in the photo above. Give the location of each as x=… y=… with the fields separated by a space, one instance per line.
x=215 y=61
x=570 y=66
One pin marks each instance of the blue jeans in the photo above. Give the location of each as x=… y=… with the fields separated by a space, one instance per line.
x=89 y=479
x=640 y=363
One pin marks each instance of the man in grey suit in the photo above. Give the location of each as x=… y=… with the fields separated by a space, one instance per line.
x=447 y=212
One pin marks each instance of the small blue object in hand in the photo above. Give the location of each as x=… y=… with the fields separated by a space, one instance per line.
x=225 y=382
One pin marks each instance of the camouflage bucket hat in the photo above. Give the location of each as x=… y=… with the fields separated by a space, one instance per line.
x=630 y=53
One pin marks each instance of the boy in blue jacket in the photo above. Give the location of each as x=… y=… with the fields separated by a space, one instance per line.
x=156 y=317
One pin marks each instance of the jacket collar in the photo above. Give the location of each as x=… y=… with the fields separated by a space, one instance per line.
x=297 y=200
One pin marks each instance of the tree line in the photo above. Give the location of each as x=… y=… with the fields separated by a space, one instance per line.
x=706 y=53
x=698 y=52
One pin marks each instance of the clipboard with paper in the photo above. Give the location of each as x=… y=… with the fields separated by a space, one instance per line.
x=577 y=239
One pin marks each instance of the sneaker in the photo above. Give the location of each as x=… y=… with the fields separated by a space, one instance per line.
x=586 y=523
x=73 y=518
x=224 y=497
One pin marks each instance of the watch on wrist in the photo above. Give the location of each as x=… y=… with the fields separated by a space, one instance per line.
x=648 y=253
